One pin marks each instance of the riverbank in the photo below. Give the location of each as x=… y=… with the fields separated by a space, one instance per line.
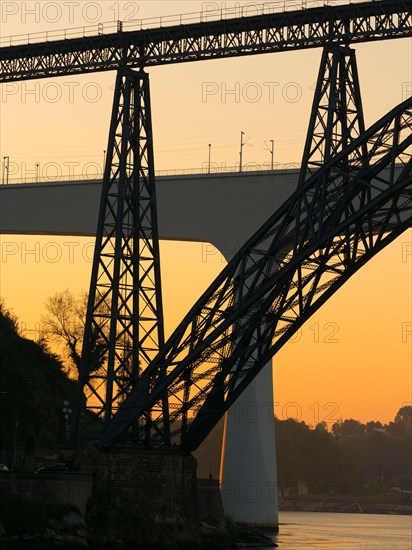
x=43 y=526
x=353 y=505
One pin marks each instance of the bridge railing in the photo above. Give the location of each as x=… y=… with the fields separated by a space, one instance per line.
x=248 y=169
x=205 y=16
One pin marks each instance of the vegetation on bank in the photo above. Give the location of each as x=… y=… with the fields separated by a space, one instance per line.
x=33 y=387
x=349 y=459
x=353 y=457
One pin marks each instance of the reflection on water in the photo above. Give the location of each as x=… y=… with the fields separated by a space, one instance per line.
x=328 y=531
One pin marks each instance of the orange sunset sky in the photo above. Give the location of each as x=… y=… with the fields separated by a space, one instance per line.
x=354 y=357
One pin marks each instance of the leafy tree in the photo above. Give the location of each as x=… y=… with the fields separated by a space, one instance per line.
x=349 y=428
x=404 y=415
x=321 y=426
x=350 y=475
x=373 y=426
x=304 y=454
x=401 y=427
x=8 y=320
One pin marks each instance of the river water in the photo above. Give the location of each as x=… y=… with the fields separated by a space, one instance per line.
x=328 y=531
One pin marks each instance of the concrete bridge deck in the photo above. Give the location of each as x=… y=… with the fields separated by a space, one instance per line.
x=224 y=209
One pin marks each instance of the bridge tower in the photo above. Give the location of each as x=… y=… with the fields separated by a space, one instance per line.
x=124 y=326
x=337 y=118
x=248 y=466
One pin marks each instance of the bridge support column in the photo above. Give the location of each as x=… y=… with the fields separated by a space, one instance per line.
x=124 y=326
x=337 y=114
x=248 y=469
x=248 y=476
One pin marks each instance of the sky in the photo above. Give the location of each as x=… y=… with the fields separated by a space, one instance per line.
x=353 y=358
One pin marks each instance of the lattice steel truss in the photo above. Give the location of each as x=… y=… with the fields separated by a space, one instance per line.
x=237 y=36
x=337 y=113
x=330 y=227
x=125 y=313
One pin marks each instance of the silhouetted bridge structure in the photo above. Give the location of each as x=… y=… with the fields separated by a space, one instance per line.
x=183 y=42
x=353 y=198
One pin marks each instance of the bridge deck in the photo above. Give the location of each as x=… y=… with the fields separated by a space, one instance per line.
x=223 y=209
x=274 y=32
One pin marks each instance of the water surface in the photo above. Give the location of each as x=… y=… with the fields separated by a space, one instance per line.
x=329 y=531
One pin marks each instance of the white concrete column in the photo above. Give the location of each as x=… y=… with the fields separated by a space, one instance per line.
x=248 y=468
x=248 y=474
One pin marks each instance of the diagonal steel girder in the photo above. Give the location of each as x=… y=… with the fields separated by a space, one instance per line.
x=328 y=229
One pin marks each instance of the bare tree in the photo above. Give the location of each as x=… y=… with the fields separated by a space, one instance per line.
x=64 y=324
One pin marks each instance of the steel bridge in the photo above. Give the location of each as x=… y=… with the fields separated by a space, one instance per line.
x=354 y=197
x=266 y=33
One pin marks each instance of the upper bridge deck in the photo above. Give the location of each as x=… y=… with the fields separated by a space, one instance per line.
x=202 y=36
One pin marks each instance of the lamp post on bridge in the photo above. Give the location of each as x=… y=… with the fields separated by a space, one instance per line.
x=272 y=152
x=242 y=143
x=6 y=168
x=37 y=171
x=241 y=150
x=210 y=149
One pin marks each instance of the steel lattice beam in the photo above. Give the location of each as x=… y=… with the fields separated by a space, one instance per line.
x=125 y=313
x=299 y=29
x=328 y=229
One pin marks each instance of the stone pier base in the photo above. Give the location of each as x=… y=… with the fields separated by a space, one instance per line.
x=160 y=482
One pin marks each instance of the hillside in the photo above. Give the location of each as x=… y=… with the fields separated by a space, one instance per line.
x=33 y=386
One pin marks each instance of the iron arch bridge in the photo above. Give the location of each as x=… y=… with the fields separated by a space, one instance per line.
x=327 y=230
x=353 y=198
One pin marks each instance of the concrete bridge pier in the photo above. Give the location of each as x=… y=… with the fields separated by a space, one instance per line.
x=248 y=476
x=248 y=468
